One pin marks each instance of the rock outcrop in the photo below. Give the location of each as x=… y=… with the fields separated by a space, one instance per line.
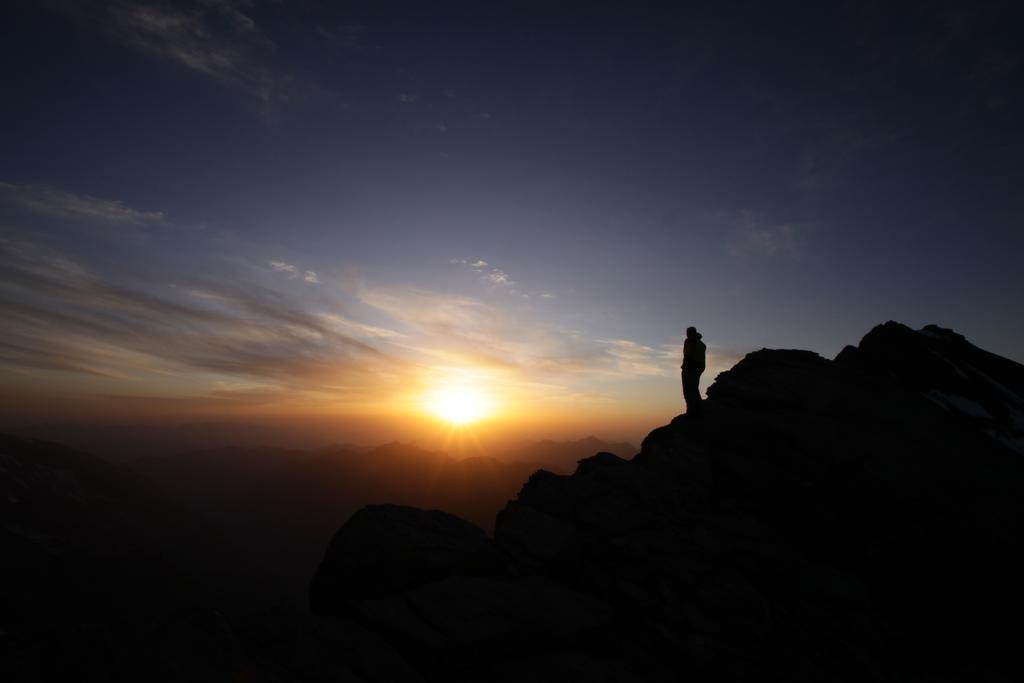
x=385 y=549
x=444 y=593
x=859 y=519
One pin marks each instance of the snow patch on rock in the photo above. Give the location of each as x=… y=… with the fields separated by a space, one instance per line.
x=959 y=404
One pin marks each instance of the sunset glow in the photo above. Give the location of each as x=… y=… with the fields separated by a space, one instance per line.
x=322 y=220
x=459 y=405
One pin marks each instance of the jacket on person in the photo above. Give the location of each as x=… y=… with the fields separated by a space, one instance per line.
x=693 y=354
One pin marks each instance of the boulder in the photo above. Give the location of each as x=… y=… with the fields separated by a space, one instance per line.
x=386 y=549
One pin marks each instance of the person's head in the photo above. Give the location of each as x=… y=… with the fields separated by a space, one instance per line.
x=691 y=332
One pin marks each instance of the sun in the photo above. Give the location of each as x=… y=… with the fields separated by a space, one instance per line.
x=459 y=405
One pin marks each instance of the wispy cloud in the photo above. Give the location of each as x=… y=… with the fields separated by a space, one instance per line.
x=283 y=267
x=293 y=271
x=215 y=38
x=359 y=330
x=61 y=316
x=54 y=202
x=442 y=314
x=454 y=328
x=633 y=358
x=498 y=278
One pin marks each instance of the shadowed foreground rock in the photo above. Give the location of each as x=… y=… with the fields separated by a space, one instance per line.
x=849 y=520
x=385 y=549
x=446 y=596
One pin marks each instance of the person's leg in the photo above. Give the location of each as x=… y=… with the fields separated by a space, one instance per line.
x=691 y=392
x=695 y=390
x=685 y=392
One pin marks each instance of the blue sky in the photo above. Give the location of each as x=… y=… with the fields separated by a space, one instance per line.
x=310 y=204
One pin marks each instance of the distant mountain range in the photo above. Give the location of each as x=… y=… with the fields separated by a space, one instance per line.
x=563 y=456
x=286 y=504
x=128 y=442
x=131 y=442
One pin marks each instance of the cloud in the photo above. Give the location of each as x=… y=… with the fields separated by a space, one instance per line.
x=633 y=358
x=498 y=278
x=360 y=330
x=293 y=271
x=454 y=328
x=283 y=267
x=54 y=202
x=433 y=312
x=247 y=392
x=241 y=22
x=61 y=316
x=214 y=38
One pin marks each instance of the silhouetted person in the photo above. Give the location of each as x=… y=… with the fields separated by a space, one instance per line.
x=693 y=366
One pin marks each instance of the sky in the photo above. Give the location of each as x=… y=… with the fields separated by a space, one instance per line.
x=285 y=209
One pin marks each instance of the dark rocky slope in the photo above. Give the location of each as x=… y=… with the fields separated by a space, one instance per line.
x=849 y=520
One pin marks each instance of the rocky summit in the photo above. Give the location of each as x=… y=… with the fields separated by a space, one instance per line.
x=855 y=519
